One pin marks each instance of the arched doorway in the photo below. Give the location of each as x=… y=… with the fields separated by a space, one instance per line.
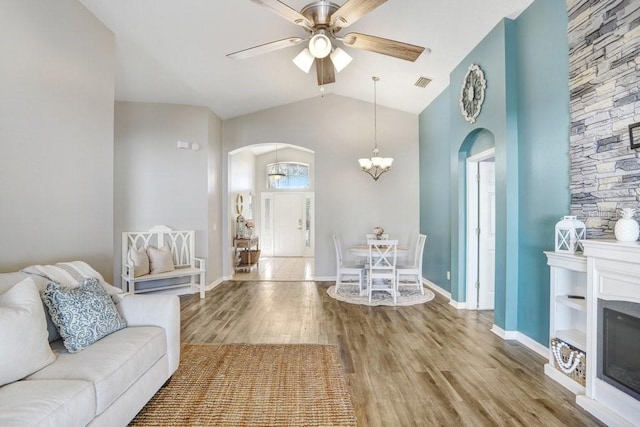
x=477 y=219
x=283 y=214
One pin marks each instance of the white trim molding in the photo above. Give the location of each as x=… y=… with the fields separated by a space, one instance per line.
x=436 y=288
x=446 y=294
x=532 y=344
x=522 y=339
x=215 y=283
x=458 y=305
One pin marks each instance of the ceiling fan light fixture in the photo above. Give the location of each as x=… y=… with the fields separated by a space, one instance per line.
x=340 y=59
x=320 y=45
x=304 y=60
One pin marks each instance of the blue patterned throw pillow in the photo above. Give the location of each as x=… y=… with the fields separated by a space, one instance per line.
x=83 y=314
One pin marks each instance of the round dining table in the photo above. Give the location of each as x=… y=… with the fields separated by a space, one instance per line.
x=363 y=251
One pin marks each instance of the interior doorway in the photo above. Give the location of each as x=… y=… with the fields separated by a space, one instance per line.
x=283 y=214
x=288 y=224
x=481 y=231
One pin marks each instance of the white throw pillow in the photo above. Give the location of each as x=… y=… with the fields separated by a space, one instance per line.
x=25 y=346
x=140 y=261
x=160 y=259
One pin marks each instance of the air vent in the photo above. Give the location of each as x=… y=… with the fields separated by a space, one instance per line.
x=422 y=82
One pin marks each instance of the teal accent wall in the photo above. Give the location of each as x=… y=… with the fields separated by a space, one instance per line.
x=491 y=55
x=525 y=113
x=543 y=129
x=434 y=194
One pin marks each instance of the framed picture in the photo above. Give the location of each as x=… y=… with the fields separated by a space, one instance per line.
x=634 y=135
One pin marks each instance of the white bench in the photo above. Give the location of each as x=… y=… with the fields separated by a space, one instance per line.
x=182 y=244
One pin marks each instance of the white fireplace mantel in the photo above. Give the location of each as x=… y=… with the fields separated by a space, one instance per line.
x=613 y=273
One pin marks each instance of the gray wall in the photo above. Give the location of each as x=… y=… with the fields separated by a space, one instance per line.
x=56 y=133
x=156 y=183
x=349 y=202
x=214 y=196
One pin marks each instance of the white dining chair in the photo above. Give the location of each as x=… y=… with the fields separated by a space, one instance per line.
x=412 y=273
x=381 y=270
x=345 y=270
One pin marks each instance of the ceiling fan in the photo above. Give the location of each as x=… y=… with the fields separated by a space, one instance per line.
x=323 y=21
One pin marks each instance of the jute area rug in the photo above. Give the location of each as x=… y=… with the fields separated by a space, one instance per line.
x=408 y=296
x=253 y=385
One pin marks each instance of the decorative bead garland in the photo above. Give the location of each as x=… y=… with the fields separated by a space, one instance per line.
x=572 y=363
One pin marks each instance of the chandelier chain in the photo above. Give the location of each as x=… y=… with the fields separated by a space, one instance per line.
x=375 y=112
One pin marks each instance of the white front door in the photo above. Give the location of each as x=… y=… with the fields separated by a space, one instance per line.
x=288 y=225
x=487 y=236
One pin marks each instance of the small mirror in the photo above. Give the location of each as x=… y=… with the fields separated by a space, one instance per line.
x=239 y=204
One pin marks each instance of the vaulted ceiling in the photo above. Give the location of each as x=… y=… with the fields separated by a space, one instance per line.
x=174 y=51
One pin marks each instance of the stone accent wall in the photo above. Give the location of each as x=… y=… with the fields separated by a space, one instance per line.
x=604 y=79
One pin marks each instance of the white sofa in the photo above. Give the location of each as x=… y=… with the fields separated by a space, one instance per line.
x=105 y=384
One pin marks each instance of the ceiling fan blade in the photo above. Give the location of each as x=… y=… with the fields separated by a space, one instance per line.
x=406 y=51
x=286 y=12
x=264 y=48
x=325 y=71
x=353 y=10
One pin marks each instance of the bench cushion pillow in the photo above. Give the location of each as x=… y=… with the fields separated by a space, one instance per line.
x=83 y=314
x=140 y=261
x=25 y=346
x=161 y=259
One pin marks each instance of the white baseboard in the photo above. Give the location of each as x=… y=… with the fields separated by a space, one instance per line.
x=324 y=278
x=601 y=412
x=522 y=339
x=533 y=345
x=458 y=305
x=214 y=284
x=505 y=335
x=436 y=288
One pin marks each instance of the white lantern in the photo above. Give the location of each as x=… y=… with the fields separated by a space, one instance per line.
x=569 y=235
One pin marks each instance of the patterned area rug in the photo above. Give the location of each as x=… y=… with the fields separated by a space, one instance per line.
x=253 y=385
x=409 y=295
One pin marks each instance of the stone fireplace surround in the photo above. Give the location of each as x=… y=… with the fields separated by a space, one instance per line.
x=613 y=274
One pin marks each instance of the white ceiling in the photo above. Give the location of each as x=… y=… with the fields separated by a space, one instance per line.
x=173 y=51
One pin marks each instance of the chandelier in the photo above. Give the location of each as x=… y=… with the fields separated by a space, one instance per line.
x=275 y=171
x=376 y=165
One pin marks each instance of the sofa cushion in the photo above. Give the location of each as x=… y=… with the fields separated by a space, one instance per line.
x=112 y=364
x=83 y=314
x=47 y=403
x=24 y=348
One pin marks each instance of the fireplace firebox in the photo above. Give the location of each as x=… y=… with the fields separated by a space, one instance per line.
x=619 y=345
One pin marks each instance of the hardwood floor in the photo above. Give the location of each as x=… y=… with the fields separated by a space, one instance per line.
x=420 y=365
x=286 y=269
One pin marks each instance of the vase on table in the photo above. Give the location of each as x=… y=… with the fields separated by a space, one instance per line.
x=378 y=231
x=626 y=229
